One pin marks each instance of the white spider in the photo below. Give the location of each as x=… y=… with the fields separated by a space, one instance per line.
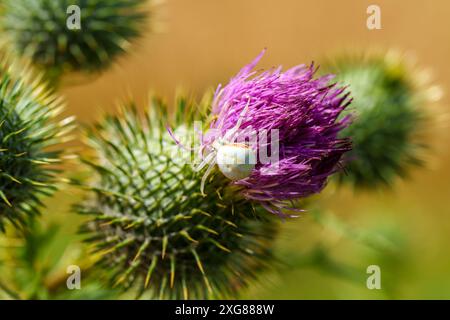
x=235 y=160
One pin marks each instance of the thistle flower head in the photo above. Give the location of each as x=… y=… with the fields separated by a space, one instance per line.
x=155 y=230
x=290 y=115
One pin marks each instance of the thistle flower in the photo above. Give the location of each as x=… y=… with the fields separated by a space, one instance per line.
x=389 y=107
x=155 y=231
x=38 y=30
x=30 y=139
x=297 y=113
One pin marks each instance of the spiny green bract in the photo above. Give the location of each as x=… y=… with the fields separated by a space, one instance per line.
x=37 y=29
x=29 y=138
x=388 y=118
x=153 y=226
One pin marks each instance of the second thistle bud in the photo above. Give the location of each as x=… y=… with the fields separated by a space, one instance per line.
x=389 y=112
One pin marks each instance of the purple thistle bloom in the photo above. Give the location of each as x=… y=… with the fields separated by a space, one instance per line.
x=305 y=113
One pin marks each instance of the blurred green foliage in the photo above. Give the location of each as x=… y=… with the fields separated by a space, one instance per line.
x=34 y=265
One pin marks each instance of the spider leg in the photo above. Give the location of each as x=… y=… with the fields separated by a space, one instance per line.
x=205 y=176
x=230 y=135
x=241 y=116
x=208 y=159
